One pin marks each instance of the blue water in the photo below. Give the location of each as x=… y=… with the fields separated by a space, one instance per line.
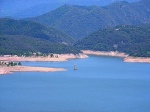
x=101 y=84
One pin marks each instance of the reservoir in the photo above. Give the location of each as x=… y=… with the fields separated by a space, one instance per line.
x=100 y=84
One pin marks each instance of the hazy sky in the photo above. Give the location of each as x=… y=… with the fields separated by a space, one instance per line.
x=8 y=7
x=34 y=2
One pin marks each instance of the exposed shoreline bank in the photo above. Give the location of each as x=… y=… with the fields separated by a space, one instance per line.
x=55 y=58
x=59 y=58
x=125 y=57
x=104 y=53
x=137 y=59
x=11 y=69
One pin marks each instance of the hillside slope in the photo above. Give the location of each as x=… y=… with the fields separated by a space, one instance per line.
x=36 y=10
x=133 y=40
x=80 y=21
x=20 y=44
x=28 y=28
x=19 y=37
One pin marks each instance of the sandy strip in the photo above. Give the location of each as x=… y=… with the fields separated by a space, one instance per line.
x=12 y=58
x=7 y=70
x=126 y=57
x=137 y=59
x=61 y=57
x=72 y=56
x=104 y=53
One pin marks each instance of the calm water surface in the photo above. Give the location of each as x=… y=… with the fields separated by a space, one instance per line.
x=101 y=84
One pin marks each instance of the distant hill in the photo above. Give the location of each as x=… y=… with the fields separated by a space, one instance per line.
x=36 y=10
x=18 y=36
x=21 y=44
x=133 y=40
x=29 y=28
x=80 y=21
x=30 y=8
x=95 y=2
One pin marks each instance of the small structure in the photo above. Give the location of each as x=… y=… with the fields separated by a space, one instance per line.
x=75 y=68
x=3 y=63
x=9 y=63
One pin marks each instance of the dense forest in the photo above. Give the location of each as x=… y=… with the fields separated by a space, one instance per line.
x=120 y=26
x=22 y=37
x=133 y=40
x=20 y=45
x=19 y=37
x=80 y=21
x=29 y=28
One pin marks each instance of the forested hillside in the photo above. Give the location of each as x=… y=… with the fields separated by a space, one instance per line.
x=118 y=27
x=21 y=27
x=133 y=40
x=80 y=21
x=20 y=45
x=18 y=36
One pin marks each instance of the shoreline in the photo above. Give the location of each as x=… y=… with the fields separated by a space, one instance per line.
x=137 y=59
x=56 y=58
x=60 y=58
x=126 y=57
x=105 y=53
x=9 y=70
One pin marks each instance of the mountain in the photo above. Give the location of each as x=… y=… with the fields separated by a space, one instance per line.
x=80 y=21
x=133 y=40
x=36 y=10
x=18 y=36
x=9 y=8
x=95 y=2
x=29 y=28
x=22 y=44
x=30 y=8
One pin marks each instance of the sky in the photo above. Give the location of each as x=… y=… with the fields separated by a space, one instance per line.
x=35 y=2
x=10 y=7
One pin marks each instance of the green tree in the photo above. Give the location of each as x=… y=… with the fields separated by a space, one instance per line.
x=19 y=64
x=51 y=55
